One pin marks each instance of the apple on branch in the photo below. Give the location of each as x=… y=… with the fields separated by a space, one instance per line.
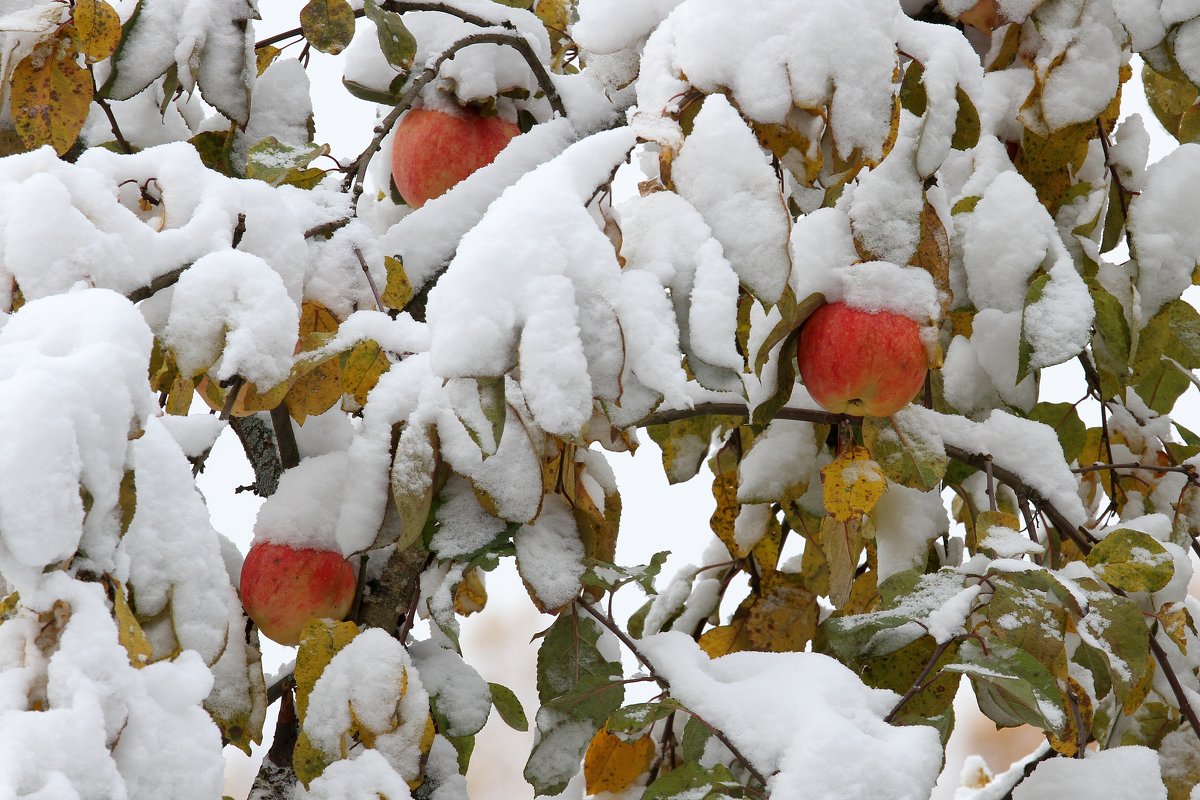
x=434 y=149
x=284 y=587
x=861 y=362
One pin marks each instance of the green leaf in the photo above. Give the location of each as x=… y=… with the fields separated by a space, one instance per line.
x=328 y=25
x=685 y=443
x=371 y=94
x=1064 y=419
x=573 y=674
x=688 y=779
x=414 y=481
x=1114 y=220
x=1029 y=619
x=276 y=162
x=913 y=97
x=966 y=123
x=634 y=720
x=793 y=316
x=1025 y=351
x=399 y=46
x=1169 y=96
x=1132 y=561
x=1173 y=332
x=557 y=756
x=1115 y=629
x=509 y=707
x=643 y=574
x=695 y=738
x=1013 y=685
x=903 y=668
x=1111 y=342
x=910 y=453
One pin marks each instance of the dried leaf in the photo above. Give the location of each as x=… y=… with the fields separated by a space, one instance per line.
x=363 y=366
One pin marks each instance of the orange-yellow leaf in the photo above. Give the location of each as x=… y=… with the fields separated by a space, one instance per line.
x=99 y=28
x=853 y=484
x=471 y=594
x=611 y=765
x=364 y=364
x=50 y=95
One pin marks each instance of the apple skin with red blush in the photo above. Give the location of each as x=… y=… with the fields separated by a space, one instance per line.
x=863 y=363
x=433 y=150
x=284 y=588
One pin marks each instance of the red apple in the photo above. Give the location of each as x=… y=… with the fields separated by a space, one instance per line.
x=433 y=150
x=285 y=587
x=861 y=362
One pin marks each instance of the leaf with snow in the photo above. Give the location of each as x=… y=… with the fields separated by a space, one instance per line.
x=1132 y=561
x=723 y=172
x=909 y=453
x=550 y=555
x=328 y=25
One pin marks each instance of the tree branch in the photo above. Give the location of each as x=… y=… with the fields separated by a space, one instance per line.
x=102 y=101
x=399 y=6
x=919 y=684
x=512 y=40
x=258 y=442
x=1181 y=697
x=615 y=630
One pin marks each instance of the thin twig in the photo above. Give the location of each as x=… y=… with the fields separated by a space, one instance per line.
x=512 y=40
x=102 y=101
x=1186 y=469
x=1177 y=689
x=399 y=6
x=615 y=629
x=919 y=684
x=370 y=280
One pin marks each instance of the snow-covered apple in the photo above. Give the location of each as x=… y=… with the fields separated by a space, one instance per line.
x=861 y=362
x=285 y=587
x=433 y=150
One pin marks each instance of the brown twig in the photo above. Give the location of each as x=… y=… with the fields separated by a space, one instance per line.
x=615 y=629
x=370 y=280
x=1177 y=689
x=102 y=101
x=285 y=436
x=399 y=6
x=919 y=684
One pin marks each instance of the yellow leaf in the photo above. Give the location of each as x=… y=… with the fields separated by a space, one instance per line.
x=315 y=390
x=127 y=500
x=363 y=366
x=129 y=630
x=1175 y=621
x=398 y=292
x=471 y=594
x=853 y=484
x=99 y=28
x=612 y=765
x=263 y=56
x=50 y=95
x=842 y=541
x=319 y=642
x=784 y=619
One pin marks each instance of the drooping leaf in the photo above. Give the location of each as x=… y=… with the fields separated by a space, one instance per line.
x=328 y=25
x=572 y=672
x=1012 y=686
x=129 y=630
x=634 y=720
x=1169 y=96
x=509 y=707
x=966 y=124
x=398 y=44
x=685 y=444
x=842 y=542
x=1025 y=351
x=363 y=366
x=414 y=481
x=1173 y=332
